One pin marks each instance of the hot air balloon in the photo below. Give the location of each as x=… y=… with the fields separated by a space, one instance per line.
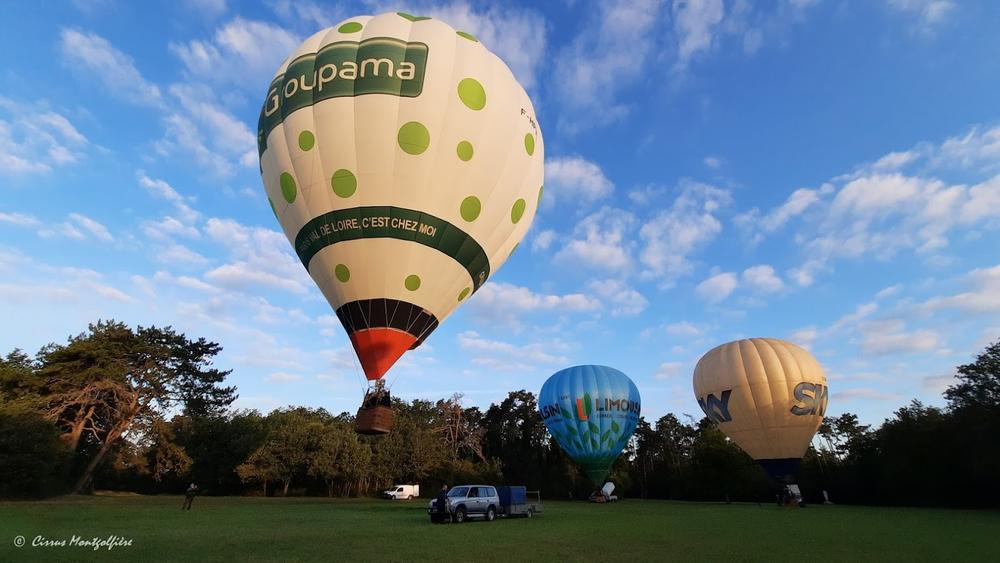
x=591 y=411
x=404 y=163
x=769 y=396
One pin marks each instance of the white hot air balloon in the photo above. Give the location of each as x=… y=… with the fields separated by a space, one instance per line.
x=769 y=396
x=404 y=163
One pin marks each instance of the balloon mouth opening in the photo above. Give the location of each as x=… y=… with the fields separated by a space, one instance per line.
x=382 y=330
x=378 y=349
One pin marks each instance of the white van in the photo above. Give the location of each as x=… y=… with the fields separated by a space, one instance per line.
x=402 y=492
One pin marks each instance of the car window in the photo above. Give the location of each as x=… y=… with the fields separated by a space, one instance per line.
x=473 y=492
x=399 y=490
x=491 y=492
x=458 y=492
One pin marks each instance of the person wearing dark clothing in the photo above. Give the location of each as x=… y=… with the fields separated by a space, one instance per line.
x=441 y=503
x=189 y=496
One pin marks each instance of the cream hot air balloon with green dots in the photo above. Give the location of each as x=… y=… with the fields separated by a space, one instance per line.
x=404 y=162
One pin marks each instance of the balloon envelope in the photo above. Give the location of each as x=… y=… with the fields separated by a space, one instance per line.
x=768 y=395
x=404 y=163
x=591 y=411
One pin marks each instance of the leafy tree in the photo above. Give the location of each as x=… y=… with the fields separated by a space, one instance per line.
x=113 y=380
x=979 y=383
x=31 y=456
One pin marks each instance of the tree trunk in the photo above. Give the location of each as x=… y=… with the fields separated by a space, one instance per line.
x=110 y=439
x=287 y=482
x=88 y=473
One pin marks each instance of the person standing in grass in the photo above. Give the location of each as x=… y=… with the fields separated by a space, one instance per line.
x=189 y=496
x=441 y=502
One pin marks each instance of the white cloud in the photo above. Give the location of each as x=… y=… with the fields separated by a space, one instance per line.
x=34 y=139
x=608 y=54
x=673 y=234
x=928 y=13
x=283 y=377
x=979 y=148
x=531 y=353
x=797 y=203
x=894 y=161
x=717 y=287
x=889 y=336
x=518 y=36
x=804 y=336
x=19 y=219
x=713 y=161
x=180 y=254
x=668 y=370
x=228 y=135
x=91 y=226
x=163 y=190
x=865 y=393
x=168 y=227
x=543 y=240
x=762 y=278
x=695 y=23
x=983 y=299
x=507 y=304
x=93 y=53
x=577 y=180
x=625 y=301
x=243 y=52
x=259 y=257
x=683 y=328
x=601 y=241
x=182 y=133
x=208 y=8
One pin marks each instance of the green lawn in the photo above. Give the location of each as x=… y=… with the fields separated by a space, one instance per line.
x=255 y=529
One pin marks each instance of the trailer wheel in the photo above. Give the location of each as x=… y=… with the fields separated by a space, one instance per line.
x=529 y=513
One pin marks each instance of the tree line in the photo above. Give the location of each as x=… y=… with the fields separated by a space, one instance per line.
x=144 y=409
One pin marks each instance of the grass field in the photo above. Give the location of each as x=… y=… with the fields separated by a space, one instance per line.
x=261 y=529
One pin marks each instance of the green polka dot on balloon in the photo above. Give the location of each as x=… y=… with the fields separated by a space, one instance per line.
x=412 y=282
x=342 y=272
x=467 y=35
x=470 y=208
x=464 y=293
x=412 y=18
x=464 y=151
x=517 y=211
x=306 y=140
x=471 y=92
x=413 y=137
x=529 y=144
x=350 y=27
x=344 y=183
x=540 y=189
x=288 y=189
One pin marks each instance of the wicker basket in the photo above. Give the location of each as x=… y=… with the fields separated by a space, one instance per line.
x=374 y=420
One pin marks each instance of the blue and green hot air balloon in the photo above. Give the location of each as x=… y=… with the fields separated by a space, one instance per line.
x=591 y=411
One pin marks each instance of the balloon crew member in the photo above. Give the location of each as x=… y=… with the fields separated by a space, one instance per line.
x=441 y=505
x=192 y=490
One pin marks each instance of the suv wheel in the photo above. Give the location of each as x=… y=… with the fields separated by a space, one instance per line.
x=460 y=515
x=491 y=513
x=529 y=513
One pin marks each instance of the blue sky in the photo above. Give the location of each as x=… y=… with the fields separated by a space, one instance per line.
x=826 y=172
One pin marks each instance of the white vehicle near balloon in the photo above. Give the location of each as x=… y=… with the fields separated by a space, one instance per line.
x=404 y=162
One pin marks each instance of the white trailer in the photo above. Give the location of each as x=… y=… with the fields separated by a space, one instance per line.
x=402 y=492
